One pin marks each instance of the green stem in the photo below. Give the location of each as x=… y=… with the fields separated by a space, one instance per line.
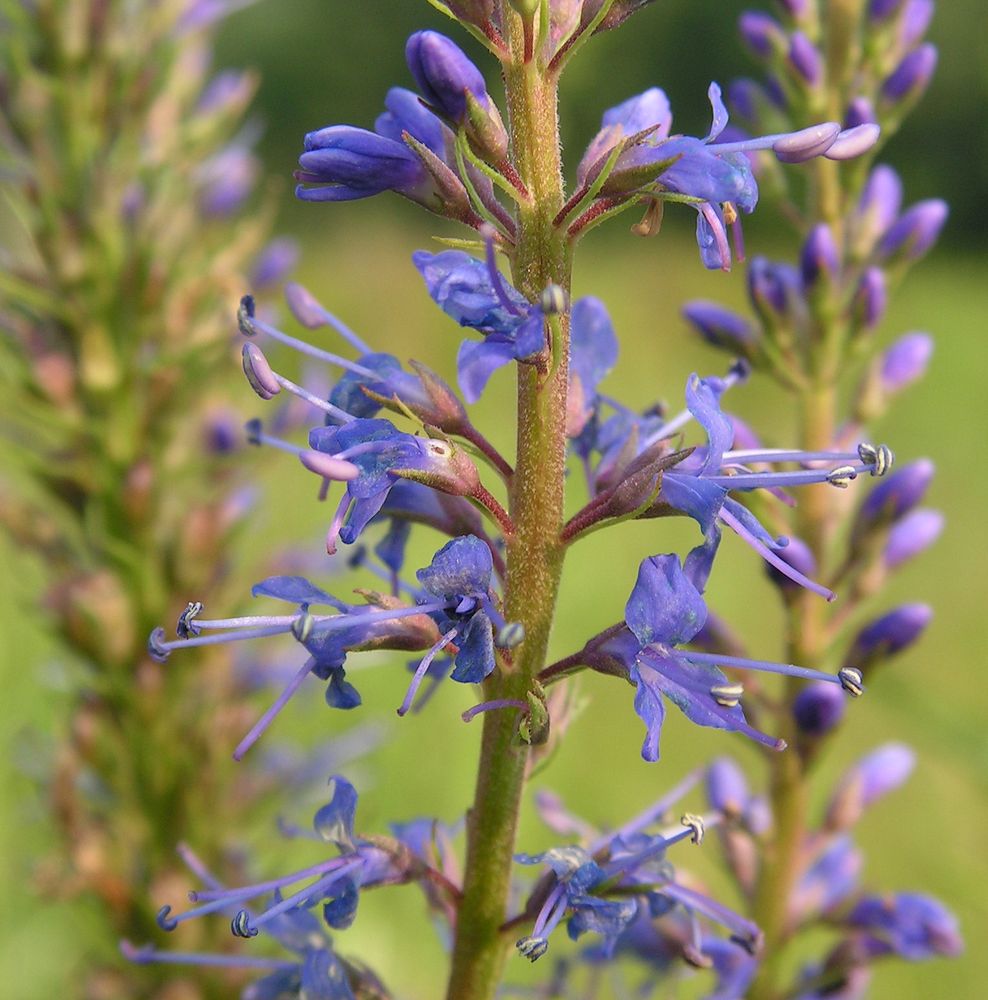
x=535 y=554
x=807 y=645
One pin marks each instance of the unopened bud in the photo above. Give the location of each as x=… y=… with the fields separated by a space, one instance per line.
x=818 y=708
x=893 y=633
x=911 y=77
x=914 y=232
x=911 y=535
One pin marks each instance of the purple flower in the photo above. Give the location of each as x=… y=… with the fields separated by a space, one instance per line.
x=869 y=779
x=665 y=610
x=593 y=354
x=721 y=327
x=911 y=535
x=455 y=88
x=346 y=163
x=474 y=294
x=906 y=924
x=905 y=361
x=890 y=634
x=382 y=455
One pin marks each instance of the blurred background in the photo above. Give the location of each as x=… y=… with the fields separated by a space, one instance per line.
x=328 y=61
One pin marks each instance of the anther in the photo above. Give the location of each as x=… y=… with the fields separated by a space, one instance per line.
x=727 y=695
x=254 y=430
x=532 y=948
x=186 y=627
x=240 y=925
x=554 y=300
x=245 y=316
x=842 y=477
x=157 y=649
x=164 y=919
x=695 y=825
x=730 y=213
x=851 y=681
x=881 y=458
x=511 y=635
x=302 y=626
x=259 y=373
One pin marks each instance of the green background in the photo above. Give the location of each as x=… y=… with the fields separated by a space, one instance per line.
x=325 y=62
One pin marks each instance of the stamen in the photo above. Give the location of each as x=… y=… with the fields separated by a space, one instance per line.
x=497 y=281
x=146 y=954
x=554 y=300
x=313 y=314
x=423 y=668
x=766 y=666
x=748 y=934
x=510 y=635
x=186 y=626
x=735 y=375
x=770 y=557
x=695 y=825
x=652 y=813
x=719 y=233
x=490 y=706
x=159 y=648
x=290 y=902
x=259 y=373
x=727 y=695
x=851 y=681
x=269 y=716
x=842 y=477
x=250 y=325
x=881 y=458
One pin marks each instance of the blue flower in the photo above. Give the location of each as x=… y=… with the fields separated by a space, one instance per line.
x=665 y=610
x=472 y=293
x=714 y=175
x=383 y=455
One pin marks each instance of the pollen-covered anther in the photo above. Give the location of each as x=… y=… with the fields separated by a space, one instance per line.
x=727 y=695
x=554 y=300
x=186 y=626
x=533 y=948
x=510 y=635
x=730 y=213
x=880 y=458
x=842 y=476
x=241 y=926
x=302 y=626
x=696 y=825
x=851 y=681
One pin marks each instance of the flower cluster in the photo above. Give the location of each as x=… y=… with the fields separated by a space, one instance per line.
x=481 y=611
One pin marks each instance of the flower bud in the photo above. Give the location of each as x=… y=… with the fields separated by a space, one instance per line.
x=859 y=112
x=727 y=787
x=911 y=77
x=820 y=258
x=346 y=163
x=454 y=86
x=916 y=17
x=894 y=497
x=881 y=10
x=876 y=774
x=911 y=535
x=877 y=209
x=798 y=555
x=818 y=708
x=775 y=291
x=804 y=58
x=797 y=147
x=761 y=33
x=720 y=327
x=905 y=361
x=870 y=300
x=892 y=633
x=476 y=12
x=906 y=924
x=274 y=262
x=914 y=232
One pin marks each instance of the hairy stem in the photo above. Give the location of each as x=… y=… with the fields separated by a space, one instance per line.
x=535 y=554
